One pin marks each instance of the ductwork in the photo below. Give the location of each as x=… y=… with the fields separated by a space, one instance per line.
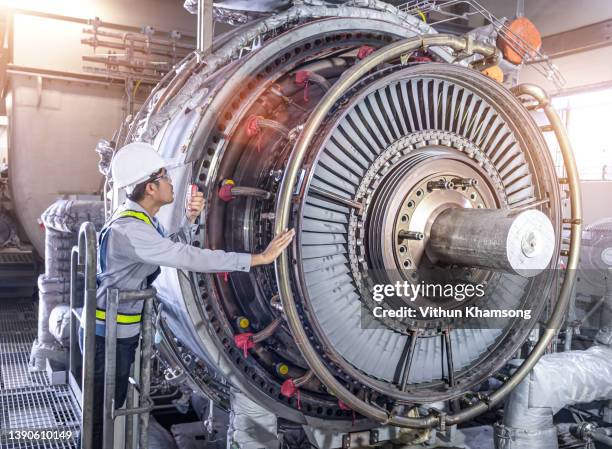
x=242 y=5
x=59 y=323
x=67 y=215
x=191 y=89
x=61 y=221
x=557 y=380
x=52 y=291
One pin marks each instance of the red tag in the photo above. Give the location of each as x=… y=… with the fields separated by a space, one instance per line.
x=225 y=193
x=244 y=342
x=364 y=51
x=345 y=407
x=302 y=78
x=253 y=129
x=288 y=389
x=252 y=125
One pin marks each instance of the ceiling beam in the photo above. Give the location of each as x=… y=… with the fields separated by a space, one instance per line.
x=578 y=40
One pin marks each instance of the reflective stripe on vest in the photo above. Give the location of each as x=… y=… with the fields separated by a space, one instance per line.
x=121 y=318
x=139 y=215
x=103 y=233
x=133 y=319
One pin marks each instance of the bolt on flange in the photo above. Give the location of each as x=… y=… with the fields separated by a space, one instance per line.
x=441 y=184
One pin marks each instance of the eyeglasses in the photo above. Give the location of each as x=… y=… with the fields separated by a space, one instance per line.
x=165 y=176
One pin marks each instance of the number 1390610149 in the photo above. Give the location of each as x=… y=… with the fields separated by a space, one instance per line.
x=38 y=434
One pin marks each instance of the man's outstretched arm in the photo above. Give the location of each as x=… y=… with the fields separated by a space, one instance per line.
x=141 y=242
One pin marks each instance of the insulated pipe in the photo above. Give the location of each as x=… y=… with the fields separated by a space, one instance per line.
x=227 y=52
x=349 y=78
x=604 y=336
x=61 y=221
x=557 y=380
x=176 y=84
x=188 y=63
x=493 y=239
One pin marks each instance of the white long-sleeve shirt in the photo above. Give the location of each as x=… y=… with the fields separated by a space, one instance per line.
x=134 y=250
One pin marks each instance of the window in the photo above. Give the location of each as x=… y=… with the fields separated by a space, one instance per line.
x=588 y=117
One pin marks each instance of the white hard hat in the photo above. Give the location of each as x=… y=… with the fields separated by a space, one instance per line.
x=135 y=163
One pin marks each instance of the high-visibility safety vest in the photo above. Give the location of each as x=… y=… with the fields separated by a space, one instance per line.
x=129 y=313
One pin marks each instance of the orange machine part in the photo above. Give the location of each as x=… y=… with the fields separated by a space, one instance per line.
x=527 y=31
x=494 y=72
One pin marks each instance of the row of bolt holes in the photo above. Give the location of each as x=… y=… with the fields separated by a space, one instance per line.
x=402 y=249
x=236 y=355
x=268 y=69
x=232 y=351
x=202 y=177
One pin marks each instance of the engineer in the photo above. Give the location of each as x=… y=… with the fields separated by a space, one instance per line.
x=132 y=247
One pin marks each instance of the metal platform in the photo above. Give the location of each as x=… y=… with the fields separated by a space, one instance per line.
x=18 y=273
x=28 y=403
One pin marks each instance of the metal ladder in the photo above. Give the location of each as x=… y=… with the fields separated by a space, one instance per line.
x=84 y=262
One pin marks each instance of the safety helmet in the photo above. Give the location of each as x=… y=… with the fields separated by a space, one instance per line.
x=135 y=163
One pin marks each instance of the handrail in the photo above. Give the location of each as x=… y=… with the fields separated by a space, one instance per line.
x=83 y=259
x=86 y=258
x=113 y=296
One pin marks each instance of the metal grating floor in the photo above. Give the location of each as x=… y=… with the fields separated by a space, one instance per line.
x=18 y=273
x=28 y=404
x=14 y=257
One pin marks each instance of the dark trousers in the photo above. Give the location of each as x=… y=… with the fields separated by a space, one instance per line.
x=126 y=350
